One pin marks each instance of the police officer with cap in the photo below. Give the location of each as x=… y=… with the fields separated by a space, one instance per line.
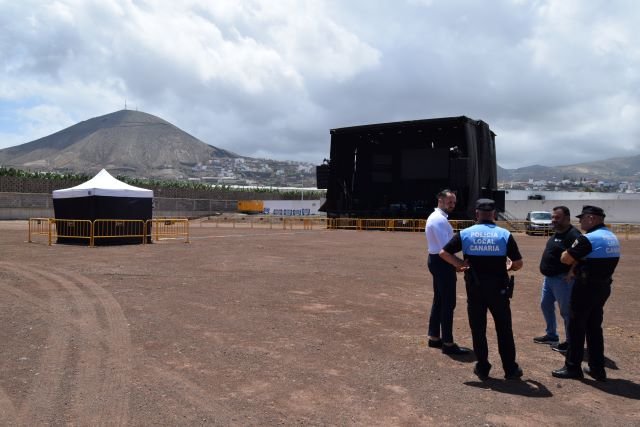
x=489 y=252
x=593 y=258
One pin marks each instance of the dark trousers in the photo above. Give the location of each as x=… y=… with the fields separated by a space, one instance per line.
x=585 y=321
x=444 y=298
x=490 y=296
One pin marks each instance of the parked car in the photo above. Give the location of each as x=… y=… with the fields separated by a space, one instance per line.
x=539 y=222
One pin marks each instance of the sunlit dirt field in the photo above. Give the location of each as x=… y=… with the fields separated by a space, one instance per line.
x=264 y=327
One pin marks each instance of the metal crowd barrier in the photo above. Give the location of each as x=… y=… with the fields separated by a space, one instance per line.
x=168 y=228
x=344 y=223
x=302 y=223
x=626 y=229
x=38 y=227
x=85 y=229
x=178 y=228
x=270 y=222
x=119 y=229
x=71 y=229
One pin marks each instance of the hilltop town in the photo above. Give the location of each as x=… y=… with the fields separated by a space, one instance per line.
x=252 y=171
x=582 y=184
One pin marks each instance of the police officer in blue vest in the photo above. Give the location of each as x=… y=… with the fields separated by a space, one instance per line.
x=487 y=249
x=593 y=257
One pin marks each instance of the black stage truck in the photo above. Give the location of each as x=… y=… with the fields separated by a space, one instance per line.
x=395 y=170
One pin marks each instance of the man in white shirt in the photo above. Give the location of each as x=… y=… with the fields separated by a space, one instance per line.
x=438 y=232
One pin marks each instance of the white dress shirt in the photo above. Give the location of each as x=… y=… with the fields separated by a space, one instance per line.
x=438 y=231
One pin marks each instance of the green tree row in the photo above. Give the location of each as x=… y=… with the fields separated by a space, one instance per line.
x=42 y=175
x=160 y=184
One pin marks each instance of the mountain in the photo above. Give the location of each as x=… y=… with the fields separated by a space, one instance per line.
x=138 y=144
x=612 y=170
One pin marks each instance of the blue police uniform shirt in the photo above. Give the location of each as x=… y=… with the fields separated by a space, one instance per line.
x=604 y=244
x=486 y=246
x=484 y=240
x=597 y=252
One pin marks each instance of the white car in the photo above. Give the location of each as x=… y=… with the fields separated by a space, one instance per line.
x=539 y=222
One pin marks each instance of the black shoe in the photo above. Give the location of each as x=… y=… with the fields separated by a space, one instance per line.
x=514 y=374
x=561 y=347
x=483 y=374
x=455 y=350
x=596 y=374
x=545 y=339
x=434 y=343
x=565 y=372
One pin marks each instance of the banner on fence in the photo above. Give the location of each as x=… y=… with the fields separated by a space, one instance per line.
x=291 y=207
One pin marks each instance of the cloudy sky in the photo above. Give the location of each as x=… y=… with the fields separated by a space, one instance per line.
x=558 y=81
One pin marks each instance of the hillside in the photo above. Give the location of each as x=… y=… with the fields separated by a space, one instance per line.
x=613 y=170
x=141 y=145
x=138 y=144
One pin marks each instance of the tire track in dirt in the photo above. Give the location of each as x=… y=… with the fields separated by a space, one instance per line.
x=26 y=297
x=193 y=394
x=87 y=382
x=38 y=406
x=115 y=348
x=8 y=411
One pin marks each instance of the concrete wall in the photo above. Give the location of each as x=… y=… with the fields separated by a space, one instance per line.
x=25 y=205
x=40 y=205
x=617 y=211
x=569 y=195
x=619 y=207
x=191 y=208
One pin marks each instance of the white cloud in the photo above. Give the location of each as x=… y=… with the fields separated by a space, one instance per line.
x=554 y=79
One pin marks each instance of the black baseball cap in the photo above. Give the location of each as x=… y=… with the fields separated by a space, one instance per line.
x=485 y=205
x=591 y=210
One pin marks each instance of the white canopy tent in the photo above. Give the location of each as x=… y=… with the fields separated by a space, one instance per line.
x=103 y=184
x=102 y=198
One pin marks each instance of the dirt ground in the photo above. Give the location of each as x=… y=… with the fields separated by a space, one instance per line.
x=266 y=327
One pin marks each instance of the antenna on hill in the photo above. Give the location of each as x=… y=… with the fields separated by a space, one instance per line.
x=125 y=104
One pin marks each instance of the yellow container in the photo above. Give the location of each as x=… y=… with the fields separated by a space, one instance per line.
x=251 y=206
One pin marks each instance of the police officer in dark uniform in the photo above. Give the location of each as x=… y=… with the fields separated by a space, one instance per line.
x=593 y=257
x=487 y=249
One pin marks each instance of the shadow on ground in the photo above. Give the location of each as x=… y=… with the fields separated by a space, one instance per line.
x=617 y=387
x=527 y=388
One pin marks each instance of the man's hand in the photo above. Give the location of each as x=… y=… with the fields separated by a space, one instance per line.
x=463 y=267
x=566 y=258
x=515 y=265
x=457 y=263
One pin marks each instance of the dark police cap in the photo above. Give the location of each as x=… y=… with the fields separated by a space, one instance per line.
x=591 y=210
x=485 y=205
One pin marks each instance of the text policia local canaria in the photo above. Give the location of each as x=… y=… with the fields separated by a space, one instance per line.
x=484 y=241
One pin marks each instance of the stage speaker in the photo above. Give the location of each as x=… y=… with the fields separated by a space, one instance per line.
x=322 y=176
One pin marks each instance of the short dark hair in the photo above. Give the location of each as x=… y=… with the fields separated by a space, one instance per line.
x=444 y=193
x=564 y=209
